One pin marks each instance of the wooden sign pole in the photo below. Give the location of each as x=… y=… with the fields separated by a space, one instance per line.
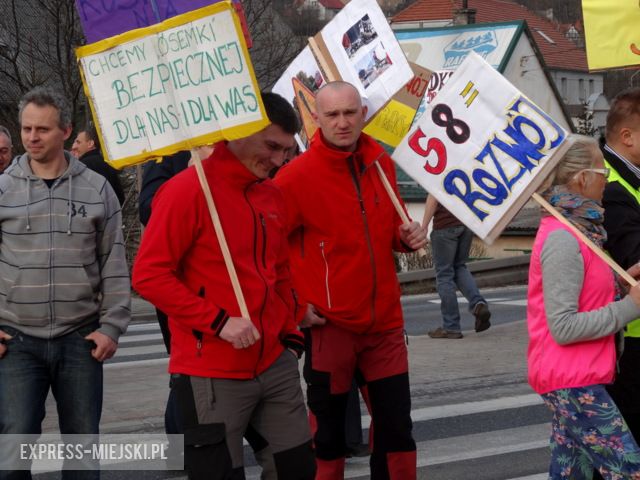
x=213 y=211
x=396 y=203
x=547 y=206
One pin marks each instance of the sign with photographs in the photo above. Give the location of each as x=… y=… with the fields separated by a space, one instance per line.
x=299 y=84
x=359 y=47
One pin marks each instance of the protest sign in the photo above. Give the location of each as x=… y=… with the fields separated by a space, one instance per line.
x=481 y=148
x=611 y=33
x=298 y=85
x=182 y=83
x=391 y=123
x=102 y=19
x=359 y=47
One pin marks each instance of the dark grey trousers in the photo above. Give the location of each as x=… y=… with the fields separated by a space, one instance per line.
x=217 y=412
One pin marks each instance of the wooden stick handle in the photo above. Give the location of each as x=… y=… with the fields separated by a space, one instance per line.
x=395 y=201
x=213 y=211
x=594 y=248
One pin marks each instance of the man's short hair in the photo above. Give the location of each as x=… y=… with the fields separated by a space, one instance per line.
x=5 y=131
x=92 y=134
x=623 y=108
x=280 y=112
x=44 y=97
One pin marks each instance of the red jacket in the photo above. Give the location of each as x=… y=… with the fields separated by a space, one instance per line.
x=344 y=229
x=180 y=269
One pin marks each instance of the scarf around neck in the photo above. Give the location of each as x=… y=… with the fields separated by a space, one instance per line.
x=585 y=214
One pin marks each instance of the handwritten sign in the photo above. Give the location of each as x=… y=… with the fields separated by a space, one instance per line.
x=481 y=147
x=102 y=19
x=182 y=83
x=611 y=33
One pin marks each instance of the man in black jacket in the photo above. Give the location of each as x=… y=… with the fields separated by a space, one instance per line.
x=621 y=201
x=86 y=147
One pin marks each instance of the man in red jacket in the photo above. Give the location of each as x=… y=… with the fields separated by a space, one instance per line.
x=343 y=230
x=230 y=372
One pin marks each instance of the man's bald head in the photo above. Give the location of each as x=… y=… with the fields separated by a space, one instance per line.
x=340 y=115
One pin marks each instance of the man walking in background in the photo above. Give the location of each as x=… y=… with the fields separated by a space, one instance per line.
x=621 y=202
x=450 y=246
x=86 y=147
x=6 y=148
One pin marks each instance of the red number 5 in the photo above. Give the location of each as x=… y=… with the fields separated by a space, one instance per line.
x=433 y=145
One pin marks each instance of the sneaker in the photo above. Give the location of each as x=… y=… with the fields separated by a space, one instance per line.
x=442 y=333
x=482 y=314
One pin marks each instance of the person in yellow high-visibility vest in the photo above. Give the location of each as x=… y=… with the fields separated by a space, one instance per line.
x=621 y=201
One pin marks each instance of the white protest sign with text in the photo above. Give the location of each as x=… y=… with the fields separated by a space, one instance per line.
x=182 y=83
x=481 y=148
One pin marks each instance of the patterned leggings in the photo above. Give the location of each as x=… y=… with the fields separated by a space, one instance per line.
x=588 y=431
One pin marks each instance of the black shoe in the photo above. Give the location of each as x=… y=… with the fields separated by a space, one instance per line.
x=482 y=314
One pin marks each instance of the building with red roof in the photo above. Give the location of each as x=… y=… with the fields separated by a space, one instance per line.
x=565 y=60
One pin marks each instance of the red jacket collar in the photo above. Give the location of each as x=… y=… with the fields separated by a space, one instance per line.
x=367 y=150
x=223 y=164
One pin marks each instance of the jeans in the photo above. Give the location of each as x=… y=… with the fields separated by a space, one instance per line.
x=450 y=248
x=33 y=365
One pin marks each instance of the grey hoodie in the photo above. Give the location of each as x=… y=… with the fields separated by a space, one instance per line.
x=62 y=254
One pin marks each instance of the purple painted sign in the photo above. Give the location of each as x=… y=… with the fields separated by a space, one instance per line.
x=105 y=18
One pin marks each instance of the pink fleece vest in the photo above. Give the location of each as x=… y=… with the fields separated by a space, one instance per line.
x=553 y=366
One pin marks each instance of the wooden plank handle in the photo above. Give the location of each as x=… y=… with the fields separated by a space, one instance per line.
x=396 y=203
x=594 y=248
x=213 y=211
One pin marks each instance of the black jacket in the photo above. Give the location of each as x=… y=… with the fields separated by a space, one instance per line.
x=621 y=215
x=154 y=175
x=93 y=160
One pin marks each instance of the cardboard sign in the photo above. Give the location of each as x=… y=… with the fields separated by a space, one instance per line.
x=359 y=47
x=612 y=33
x=102 y=19
x=392 y=123
x=182 y=83
x=306 y=103
x=481 y=148
x=298 y=85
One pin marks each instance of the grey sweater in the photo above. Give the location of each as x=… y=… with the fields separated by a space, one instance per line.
x=562 y=273
x=62 y=255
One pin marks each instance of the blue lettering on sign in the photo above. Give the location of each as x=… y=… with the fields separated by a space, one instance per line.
x=518 y=148
x=483 y=43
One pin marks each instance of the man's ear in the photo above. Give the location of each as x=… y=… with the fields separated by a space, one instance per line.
x=626 y=136
x=67 y=132
x=314 y=115
x=364 y=111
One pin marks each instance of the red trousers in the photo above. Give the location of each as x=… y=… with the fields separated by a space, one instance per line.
x=332 y=356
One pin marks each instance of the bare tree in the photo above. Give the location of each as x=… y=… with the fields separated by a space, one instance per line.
x=37 y=42
x=37 y=47
x=274 y=44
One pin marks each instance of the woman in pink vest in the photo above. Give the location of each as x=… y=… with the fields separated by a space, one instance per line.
x=575 y=307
